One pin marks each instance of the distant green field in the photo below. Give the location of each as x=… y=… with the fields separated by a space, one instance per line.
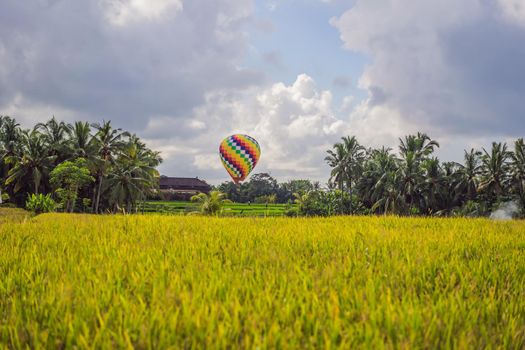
x=233 y=209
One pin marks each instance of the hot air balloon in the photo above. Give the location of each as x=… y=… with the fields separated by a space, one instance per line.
x=239 y=155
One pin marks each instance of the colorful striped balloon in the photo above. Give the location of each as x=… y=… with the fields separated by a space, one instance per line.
x=239 y=155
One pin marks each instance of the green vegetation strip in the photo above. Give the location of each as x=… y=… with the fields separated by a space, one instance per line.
x=81 y=281
x=233 y=209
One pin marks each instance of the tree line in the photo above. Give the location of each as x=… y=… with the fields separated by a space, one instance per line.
x=414 y=181
x=79 y=167
x=263 y=188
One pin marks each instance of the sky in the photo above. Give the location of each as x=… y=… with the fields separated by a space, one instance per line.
x=297 y=75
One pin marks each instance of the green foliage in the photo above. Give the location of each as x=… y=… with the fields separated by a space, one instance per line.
x=123 y=166
x=68 y=178
x=86 y=205
x=212 y=203
x=263 y=185
x=469 y=209
x=5 y=197
x=267 y=199
x=228 y=209
x=291 y=210
x=134 y=175
x=312 y=203
x=416 y=183
x=39 y=203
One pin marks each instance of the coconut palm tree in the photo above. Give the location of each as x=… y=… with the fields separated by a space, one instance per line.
x=32 y=164
x=346 y=160
x=494 y=169
x=410 y=178
x=56 y=135
x=469 y=174
x=389 y=198
x=518 y=172
x=336 y=159
x=432 y=185
x=377 y=171
x=132 y=175
x=420 y=145
x=10 y=135
x=124 y=187
x=107 y=141
x=355 y=156
x=82 y=143
x=452 y=195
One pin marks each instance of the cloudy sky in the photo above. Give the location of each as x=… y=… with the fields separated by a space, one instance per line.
x=295 y=74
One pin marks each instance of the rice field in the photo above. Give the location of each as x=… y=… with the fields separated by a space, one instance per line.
x=155 y=282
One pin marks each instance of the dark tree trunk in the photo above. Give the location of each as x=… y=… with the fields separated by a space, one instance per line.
x=97 y=202
x=342 y=197
x=350 y=194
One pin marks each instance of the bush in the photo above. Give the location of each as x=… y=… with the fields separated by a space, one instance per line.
x=38 y=203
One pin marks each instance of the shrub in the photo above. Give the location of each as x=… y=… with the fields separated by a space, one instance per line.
x=212 y=203
x=38 y=203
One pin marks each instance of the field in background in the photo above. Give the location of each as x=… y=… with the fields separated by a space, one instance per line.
x=153 y=281
x=13 y=215
x=233 y=209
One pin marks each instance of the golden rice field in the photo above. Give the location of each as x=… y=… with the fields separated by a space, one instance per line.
x=154 y=282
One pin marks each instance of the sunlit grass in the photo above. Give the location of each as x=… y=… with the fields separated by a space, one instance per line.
x=183 y=282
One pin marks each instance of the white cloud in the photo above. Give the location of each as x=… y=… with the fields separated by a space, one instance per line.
x=294 y=124
x=514 y=10
x=65 y=54
x=450 y=68
x=124 y=12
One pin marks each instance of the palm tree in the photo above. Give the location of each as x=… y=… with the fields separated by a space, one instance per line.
x=212 y=203
x=125 y=187
x=135 y=150
x=518 y=171
x=32 y=164
x=388 y=197
x=108 y=142
x=55 y=135
x=413 y=150
x=81 y=142
x=469 y=174
x=421 y=145
x=432 y=185
x=10 y=135
x=410 y=178
x=355 y=156
x=451 y=195
x=494 y=168
x=133 y=175
x=346 y=162
x=377 y=171
x=336 y=160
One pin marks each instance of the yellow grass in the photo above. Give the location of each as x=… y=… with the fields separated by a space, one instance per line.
x=194 y=282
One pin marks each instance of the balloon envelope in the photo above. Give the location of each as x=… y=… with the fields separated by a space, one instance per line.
x=239 y=155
